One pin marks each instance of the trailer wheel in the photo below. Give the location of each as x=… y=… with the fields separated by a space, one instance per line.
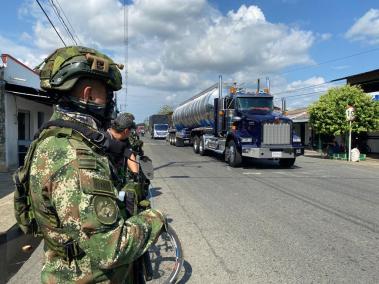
x=287 y=163
x=196 y=144
x=201 y=146
x=179 y=142
x=234 y=156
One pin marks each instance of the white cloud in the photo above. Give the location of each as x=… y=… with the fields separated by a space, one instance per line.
x=325 y=36
x=241 y=40
x=301 y=93
x=366 y=28
x=314 y=82
x=176 y=48
x=24 y=54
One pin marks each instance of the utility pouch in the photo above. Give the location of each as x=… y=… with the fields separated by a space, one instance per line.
x=23 y=210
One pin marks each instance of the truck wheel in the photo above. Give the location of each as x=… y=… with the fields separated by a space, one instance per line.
x=235 y=158
x=196 y=144
x=287 y=163
x=201 y=146
x=178 y=142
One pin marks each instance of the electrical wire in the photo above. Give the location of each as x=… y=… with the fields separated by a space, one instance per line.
x=51 y=23
x=57 y=13
x=69 y=23
x=331 y=60
x=302 y=88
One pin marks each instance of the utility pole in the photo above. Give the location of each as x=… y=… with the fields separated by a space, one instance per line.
x=126 y=42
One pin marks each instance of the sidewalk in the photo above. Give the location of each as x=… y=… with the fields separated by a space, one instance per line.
x=372 y=159
x=7 y=219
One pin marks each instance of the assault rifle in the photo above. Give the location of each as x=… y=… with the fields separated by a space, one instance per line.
x=135 y=195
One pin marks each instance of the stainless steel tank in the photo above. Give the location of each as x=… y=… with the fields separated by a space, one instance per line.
x=197 y=111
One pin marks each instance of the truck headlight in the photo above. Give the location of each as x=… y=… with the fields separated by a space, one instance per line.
x=246 y=139
x=296 y=139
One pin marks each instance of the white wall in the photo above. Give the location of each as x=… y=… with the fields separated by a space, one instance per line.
x=12 y=105
x=18 y=74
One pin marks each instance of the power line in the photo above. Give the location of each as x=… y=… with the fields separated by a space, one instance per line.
x=306 y=94
x=57 y=13
x=331 y=60
x=302 y=88
x=51 y=23
x=68 y=21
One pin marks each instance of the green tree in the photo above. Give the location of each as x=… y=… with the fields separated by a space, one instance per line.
x=166 y=109
x=327 y=115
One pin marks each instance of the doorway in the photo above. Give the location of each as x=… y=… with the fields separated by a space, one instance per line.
x=24 y=139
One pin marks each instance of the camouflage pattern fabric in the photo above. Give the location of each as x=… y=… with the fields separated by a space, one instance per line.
x=135 y=142
x=75 y=201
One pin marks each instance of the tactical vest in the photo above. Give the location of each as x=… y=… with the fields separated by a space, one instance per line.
x=23 y=207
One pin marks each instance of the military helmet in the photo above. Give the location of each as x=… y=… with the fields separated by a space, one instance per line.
x=123 y=121
x=62 y=69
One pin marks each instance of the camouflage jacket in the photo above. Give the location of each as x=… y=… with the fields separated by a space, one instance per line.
x=74 y=201
x=135 y=142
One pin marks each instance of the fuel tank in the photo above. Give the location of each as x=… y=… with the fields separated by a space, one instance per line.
x=197 y=111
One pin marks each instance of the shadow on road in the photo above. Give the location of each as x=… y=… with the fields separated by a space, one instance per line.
x=155 y=191
x=265 y=164
x=187 y=273
x=12 y=255
x=189 y=164
x=250 y=163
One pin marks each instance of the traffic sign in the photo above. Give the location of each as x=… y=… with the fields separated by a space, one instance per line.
x=350 y=113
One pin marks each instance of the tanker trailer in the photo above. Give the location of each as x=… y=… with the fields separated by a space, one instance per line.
x=239 y=124
x=195 y=113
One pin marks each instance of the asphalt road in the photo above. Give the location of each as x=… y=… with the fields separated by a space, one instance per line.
x=315 y=223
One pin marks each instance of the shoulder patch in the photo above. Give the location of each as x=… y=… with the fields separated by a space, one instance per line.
x=86 y=161
x=93 y=184
x=106 y=209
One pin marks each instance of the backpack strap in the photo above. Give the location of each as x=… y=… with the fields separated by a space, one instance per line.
x=100 y=139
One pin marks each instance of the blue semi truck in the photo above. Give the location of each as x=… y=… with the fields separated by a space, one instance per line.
x=236 y=125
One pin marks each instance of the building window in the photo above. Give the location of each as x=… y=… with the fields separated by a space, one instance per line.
x=41 y=118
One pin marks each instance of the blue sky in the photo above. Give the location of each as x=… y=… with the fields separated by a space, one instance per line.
x=177 y=48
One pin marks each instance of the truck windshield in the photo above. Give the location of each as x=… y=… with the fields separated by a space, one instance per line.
x=256 y=104
x=161 y=127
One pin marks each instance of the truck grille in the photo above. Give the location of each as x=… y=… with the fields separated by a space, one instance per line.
x=276 y=134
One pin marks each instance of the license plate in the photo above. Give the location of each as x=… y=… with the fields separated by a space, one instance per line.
x=276 y=154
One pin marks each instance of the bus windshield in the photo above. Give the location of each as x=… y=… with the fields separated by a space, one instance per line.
x=256 y=104
x=161 y=127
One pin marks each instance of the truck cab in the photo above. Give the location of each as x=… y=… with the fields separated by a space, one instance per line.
x=252 y=129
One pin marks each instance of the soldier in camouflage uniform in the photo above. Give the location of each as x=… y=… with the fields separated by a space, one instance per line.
x=120 y=130
x=87 y=237
x=125 y=122
x=133 y=138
